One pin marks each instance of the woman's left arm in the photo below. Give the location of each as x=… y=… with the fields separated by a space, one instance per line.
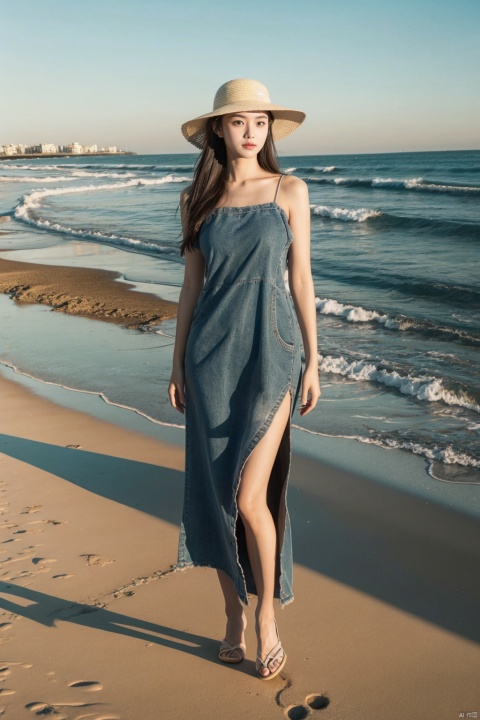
x=301 y=286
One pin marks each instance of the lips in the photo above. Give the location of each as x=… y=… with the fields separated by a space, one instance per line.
x=249 y=146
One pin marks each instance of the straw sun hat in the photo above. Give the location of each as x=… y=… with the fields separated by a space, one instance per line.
x=246 y=95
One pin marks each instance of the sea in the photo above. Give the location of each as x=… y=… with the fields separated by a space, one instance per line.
x=395 y=251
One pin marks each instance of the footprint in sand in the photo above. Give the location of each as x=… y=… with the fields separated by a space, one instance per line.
x=97 y=560
x=31 y=509
x=90 y=685
x=43 y=708
x=75 y=447
x=312 y=702
x=62 y=576
x=37 y=560
x=98 y=717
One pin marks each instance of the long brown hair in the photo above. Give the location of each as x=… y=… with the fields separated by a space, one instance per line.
x=210 y=178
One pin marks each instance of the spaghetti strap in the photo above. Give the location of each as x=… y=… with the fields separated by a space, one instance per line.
x=278 y=187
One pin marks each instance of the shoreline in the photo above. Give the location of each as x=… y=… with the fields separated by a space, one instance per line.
x=91 y=513
x=88 y=292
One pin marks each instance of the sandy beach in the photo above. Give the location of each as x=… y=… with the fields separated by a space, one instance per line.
x=96 y=623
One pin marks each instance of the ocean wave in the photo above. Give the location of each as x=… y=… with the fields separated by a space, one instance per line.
x=403 y=323
x=313 y=168
x=73 y=167
x=391 y=279
x=320 y=168
x=449 y=228
x=359 y=215
x=36 y=179
x=352 y=313
x=122 y=241
x=132 y=166
x=138 y=166
x=64 y=178
x=411 y=184
x=421 y=184
x=86 y=174
x=428 y=389
x=36 y=167
x=29 y=204
x=446 y=455
x=33 y=199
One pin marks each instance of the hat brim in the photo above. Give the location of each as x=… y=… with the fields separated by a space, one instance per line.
x=285 y=121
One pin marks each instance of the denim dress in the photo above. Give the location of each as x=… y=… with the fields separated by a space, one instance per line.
x=243 y=354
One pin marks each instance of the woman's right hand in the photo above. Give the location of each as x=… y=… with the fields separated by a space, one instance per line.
x=176 y=390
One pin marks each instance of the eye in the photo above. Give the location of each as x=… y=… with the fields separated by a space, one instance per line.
x=261 y=122
x=237 y=121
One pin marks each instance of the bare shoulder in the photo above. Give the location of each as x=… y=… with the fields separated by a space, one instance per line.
x=294 y=187
x=295 y=194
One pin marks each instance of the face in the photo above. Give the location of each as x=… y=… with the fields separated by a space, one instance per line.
x=245 y=133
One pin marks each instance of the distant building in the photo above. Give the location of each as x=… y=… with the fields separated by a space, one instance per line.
x=73 y=149
x=9 y=149
x=48 y=148
x=51 y=149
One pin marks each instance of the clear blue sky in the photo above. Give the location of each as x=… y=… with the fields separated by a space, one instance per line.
x=372 y=75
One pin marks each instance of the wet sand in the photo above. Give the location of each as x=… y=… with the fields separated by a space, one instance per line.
x=88 y=292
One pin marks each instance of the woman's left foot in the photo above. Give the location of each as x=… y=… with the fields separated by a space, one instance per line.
x=233 y=653
x=273 y=662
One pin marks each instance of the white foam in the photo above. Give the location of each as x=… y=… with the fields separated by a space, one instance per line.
x=420 y=184
x=90 y=174
x=37 y=167
x=27 y=207
x=429 y=389
x=38 y=180
x=447 y=455
x=34 y=199
x=352 y=313
x=289 y=170
x=359 y=215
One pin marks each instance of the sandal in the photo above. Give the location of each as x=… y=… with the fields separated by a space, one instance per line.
x=225 y=652
x=272 y=655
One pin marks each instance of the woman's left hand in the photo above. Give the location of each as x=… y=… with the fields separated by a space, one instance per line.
x=310 y=386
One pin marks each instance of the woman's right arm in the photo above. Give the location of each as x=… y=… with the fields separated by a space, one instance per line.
x=193 y=281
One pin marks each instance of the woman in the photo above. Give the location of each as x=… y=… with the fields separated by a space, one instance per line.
x=237 y=367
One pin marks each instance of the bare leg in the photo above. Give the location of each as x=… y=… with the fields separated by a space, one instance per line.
x=260 y=529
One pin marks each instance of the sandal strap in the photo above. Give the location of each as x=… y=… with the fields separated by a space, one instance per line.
x=226 y=647
x=270 y=656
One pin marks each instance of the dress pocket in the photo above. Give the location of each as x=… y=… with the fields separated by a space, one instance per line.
x=281 y=317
